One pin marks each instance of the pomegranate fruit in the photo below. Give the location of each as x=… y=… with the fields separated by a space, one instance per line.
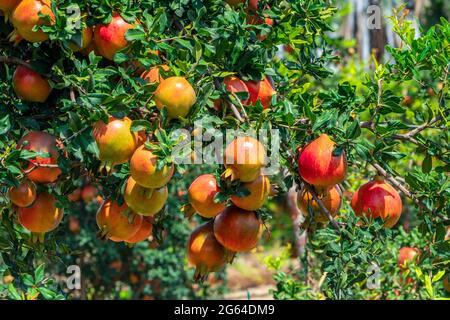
x=331 y=199
x=30 y=85
x=237 y=229
x=260 y=91
x=8 y=5
x=41 y=217
x=254 y=18
x=201 y=195
x=446 y=283
x=86 y=39
x=143 y=168
x=23 y=195
x=243 y=158
x=117 y=222
x=36 y=171
x=204 y=252
x=89 y=193
x=406 y=256
x=144 y=201
x=153 y=75
x=75 y=195
x=110 y=38
x=318 y=166
x=177 y=95
x=232 y=85
x=25 y=17
x=115 y=140
x=144 y=232
x=259 y=192
x=378 y=199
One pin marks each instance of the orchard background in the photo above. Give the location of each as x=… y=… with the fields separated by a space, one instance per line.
x=387 y=113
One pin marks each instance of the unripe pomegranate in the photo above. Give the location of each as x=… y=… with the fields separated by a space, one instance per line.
x=88 y=193
x=406 y=256
x=143 y=168
x=232 y=84
x=201 y=195
x=41 y=217
x=177 y=95
x=38 y=141
x=259 y=193
x=378 y=199
x=115 y=140
x=117 y=222
x=243 y=158
x=144 y=232
x=86 y=39
x=26 y=16
x=260 y=91
x=110 y=38
x=237 y=229
x=204 y=252
x=23 y=195
x=30 y=85
x=331 y=198
x=144 y=201
x=318 y=166
x=153 y=75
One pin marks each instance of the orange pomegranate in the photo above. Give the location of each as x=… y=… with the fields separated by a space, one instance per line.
x=331 y=198
x=110 y=38
x=201 y=195
x=41 y=217
x=74 y=225
x=378 y=199
x=406 y=256
x=117 y=222
x=23 y=195
x=153 y=75
x=232 y=84
x=75 y=195
x=144 y=201
x=89 y=193
x=26 y=16
x=204 y=252
x=243 y=158
x=115 y=140
x=36 y=171
x=259 y=193
x=143 y=168
x=260 y=91
x=177 y=95
x=254 y=19
x=30 y=85
x=8 y=5
x=86 y=39
x=144 y=232
x=237 y=229
x=318 y=165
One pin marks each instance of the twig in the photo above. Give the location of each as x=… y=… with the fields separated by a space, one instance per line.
x=236 y=113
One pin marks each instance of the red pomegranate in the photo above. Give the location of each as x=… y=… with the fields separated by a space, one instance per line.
x=378 y=199
x=255 y=19
x=30 y=85
x=115 y=140
x=446 y=283
x=406 y=256
x=153 y=75
x=89 y=193
x=318 y=165
x=232 y=85
x=243 y=158
x=260 y=91
x=110 y=38
x=204 y=252
x=117 y=222
x=237 y=229
x=8 y=5
x=36 y=171
x=75 y=195
x=26 y=16
x=143 y=168
x=331 y=199
x=23 y=195
x=144 y=201
x=259 y=193
x=201 y=195
x=41 y=217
